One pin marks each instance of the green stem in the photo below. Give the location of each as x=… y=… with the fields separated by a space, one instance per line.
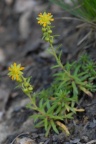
x=59 y=61
x=32 y=101
x=34 y=104
x=61 y=65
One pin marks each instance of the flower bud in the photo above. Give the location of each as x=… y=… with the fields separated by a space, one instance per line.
x=26 y=84
x=51 y=41
x=43 y=29
x=25 y=90
x=47 y=39
x=50 y=31
x=30 y=88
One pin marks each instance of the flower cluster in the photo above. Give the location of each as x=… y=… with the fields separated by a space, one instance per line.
x=45 y=20
x=15 y=72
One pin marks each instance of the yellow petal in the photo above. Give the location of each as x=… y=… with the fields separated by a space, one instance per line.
x=21 y=68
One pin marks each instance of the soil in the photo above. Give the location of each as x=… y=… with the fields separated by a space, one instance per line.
x=20 y=42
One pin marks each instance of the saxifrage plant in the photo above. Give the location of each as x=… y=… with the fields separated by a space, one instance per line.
x=58 y=103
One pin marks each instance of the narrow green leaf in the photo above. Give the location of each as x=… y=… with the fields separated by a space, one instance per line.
x=69 y=116
x=40 y=124
x=83 y=78
x=46 y=123
x=54 y=126
x=37 y=116
x=77 y=70
x=67 y=107
x=41 y=103
x=58 y=109
x=48 y=104
x=48 y=130
x=51 y=109
x=55 y=66
x=75 y=89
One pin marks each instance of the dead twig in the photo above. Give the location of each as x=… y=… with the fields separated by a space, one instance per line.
x=17 y=137
x=84 y=38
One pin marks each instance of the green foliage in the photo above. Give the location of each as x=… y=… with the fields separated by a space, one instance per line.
x=55 y=106
x=58 y=102
x=84 y=9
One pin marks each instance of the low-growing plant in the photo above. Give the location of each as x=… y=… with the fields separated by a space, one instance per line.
x=58 y=103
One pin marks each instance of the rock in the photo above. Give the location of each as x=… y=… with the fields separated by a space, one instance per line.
x=4 y=95
x=75 y=141
x=23 y=5
x=84 y=139
x=9 y=2
x=24 y=140
x=2 y=56
x=24 y=28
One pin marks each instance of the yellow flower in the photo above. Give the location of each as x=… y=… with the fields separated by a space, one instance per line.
x=45 y=19
x=15 y=72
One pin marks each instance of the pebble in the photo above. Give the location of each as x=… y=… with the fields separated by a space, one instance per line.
x=25 y=140
x=84 y=139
